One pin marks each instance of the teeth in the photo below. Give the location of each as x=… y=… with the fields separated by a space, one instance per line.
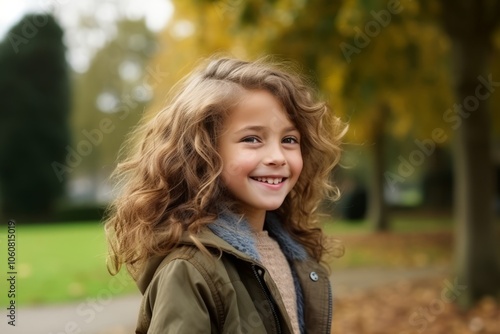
x=269 y=180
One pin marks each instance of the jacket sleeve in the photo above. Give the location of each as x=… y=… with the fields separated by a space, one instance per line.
x=179 y=301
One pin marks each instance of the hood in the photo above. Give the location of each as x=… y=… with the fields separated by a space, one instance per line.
x=232 y=234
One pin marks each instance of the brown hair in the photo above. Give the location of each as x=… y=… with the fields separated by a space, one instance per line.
x=170 y=181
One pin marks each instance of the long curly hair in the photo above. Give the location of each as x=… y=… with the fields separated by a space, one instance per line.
x=170 y=179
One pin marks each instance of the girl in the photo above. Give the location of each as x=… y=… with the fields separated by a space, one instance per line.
x=217 y=218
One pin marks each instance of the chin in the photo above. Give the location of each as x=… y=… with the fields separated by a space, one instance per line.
x=272 y=207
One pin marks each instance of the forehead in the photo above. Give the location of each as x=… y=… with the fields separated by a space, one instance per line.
x=260 y=108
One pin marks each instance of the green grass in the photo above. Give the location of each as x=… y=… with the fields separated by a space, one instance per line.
x=62 y=262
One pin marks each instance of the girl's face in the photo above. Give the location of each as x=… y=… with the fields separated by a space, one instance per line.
x=260 y=150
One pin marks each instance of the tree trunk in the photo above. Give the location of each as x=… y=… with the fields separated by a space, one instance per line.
x=477 y=263
x=470 y=25
x=377 y=207
x=438 y=182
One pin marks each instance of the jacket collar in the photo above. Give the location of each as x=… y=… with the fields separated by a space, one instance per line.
x=231 y=233
x=236 y=231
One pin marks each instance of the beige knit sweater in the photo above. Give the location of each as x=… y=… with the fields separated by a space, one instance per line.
x=276 y=264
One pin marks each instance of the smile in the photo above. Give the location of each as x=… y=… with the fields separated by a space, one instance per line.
x=269 y=180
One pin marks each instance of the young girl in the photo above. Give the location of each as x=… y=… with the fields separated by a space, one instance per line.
x=216 y=220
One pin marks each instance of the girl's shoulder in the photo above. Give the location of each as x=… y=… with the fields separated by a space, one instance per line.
x=205 y=253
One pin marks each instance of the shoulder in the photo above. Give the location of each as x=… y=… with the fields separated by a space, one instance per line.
x=187 y=258
x=184 y=286
x=190 y=263
x=189 y=273
x=206 y=253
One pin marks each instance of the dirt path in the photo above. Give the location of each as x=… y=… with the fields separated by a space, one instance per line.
x=118 y=315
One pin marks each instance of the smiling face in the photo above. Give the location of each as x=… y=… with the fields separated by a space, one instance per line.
x=260 y=150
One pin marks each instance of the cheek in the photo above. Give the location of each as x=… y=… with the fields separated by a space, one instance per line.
x=239 y=164
x=298 y=163
x=300 y=167
x=296 y=169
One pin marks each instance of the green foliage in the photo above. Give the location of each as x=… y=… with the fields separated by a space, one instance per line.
x=34 y=90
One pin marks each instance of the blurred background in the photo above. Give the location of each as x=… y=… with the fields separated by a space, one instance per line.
x=418 y=82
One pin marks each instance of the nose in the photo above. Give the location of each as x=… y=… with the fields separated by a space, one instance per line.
x=275 y=156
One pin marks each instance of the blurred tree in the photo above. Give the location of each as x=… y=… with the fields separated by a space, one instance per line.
x=201 y=28
x=374 y=60
x=471 y=25
x=397 y=83
x=34 y=90
x=109 y=99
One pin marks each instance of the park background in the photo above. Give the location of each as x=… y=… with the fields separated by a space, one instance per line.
x=417 y=81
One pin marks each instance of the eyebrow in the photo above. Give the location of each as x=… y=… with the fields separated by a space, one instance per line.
x=259 y=128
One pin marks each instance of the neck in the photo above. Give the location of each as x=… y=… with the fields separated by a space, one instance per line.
x=256 y=219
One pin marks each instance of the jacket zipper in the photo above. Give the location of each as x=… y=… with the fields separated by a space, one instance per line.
x=330 y=309
x=271 y=303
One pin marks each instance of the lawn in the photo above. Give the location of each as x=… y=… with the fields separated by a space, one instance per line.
x=64 y=262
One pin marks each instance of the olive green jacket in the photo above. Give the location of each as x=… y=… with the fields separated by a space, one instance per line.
x=230 y=291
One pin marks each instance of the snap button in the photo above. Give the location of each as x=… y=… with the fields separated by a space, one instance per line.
x=314 y=277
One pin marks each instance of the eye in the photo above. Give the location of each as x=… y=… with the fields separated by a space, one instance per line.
x=251 y=139
x=290 y=140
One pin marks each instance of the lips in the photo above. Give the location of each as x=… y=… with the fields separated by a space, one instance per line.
x=269 y=180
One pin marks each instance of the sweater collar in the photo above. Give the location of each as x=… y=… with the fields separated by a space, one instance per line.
x=236 y=231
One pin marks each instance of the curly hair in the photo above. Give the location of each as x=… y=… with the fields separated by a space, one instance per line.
x=170 y=180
